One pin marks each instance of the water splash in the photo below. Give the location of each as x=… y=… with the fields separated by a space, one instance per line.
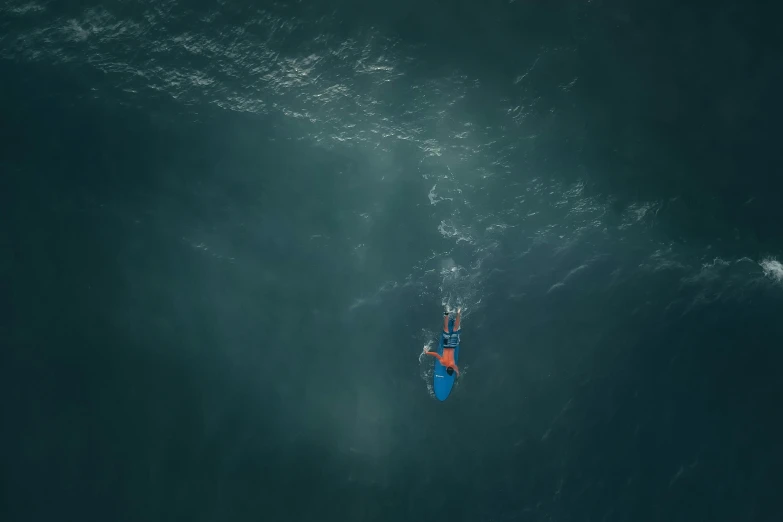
x=425 y=363
x=773 y=269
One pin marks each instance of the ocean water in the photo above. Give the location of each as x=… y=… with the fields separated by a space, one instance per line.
x=229 y=230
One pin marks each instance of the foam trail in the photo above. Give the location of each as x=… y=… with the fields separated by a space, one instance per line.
x=458 y=287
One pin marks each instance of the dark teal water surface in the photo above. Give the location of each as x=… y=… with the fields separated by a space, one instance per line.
x=229 y=230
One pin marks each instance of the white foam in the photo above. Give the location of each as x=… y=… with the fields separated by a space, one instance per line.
x=27 y=8
x=772 y=269
x=449 y=230
x=435 y=198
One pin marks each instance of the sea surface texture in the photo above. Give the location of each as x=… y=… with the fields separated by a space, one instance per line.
x=229 y=230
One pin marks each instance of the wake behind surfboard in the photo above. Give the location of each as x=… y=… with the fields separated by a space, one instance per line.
x=442 y=381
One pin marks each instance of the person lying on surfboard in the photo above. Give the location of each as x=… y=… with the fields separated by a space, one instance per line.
x=450 y=342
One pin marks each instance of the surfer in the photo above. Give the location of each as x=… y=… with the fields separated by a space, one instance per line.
x=450 y=342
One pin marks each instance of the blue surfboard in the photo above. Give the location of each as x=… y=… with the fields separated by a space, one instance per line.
x=442 y=381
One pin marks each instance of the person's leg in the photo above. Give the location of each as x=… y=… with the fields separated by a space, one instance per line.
x=445 y=322
x=456 y=321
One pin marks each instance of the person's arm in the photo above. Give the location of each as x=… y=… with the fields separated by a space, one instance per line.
x=436 y=355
